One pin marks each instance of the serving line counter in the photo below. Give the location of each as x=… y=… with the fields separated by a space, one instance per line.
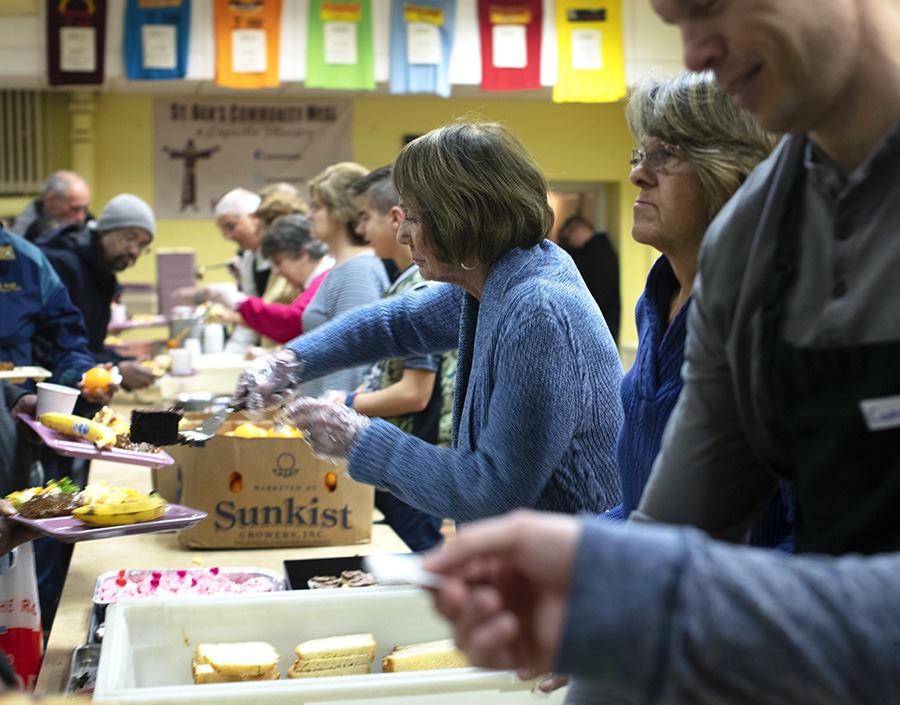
x=147 y=551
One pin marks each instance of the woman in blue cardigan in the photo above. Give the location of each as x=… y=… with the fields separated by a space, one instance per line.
x=695 y=150
x=536 y=409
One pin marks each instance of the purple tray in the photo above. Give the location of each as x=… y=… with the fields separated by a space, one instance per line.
x=62 y=444
x=69 y=529
x=135 y=325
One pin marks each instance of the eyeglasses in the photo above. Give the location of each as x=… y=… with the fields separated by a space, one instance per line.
x=135 y=240
x=656 y=157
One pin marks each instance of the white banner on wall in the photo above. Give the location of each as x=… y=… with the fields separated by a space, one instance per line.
x=204 y=148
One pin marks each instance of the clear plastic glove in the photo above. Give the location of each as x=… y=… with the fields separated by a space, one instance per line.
x=269 y=381
x=187 y=295
x=334 y=396
x=224 y=293
x=329 y=429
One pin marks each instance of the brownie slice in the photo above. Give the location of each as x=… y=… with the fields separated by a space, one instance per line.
x=158 y=427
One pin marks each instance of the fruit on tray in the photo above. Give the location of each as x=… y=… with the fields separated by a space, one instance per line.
x=134 y=511
x=80 y=427
x=97 y=380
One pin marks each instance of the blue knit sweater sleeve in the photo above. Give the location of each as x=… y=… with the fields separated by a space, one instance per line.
x=528 y=434
x=419 y=321
x=663 y=615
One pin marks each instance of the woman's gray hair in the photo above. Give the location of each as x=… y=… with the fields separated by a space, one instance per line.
x=291 y=235
x=477 y=191
x=333 y=188
x=688 y=110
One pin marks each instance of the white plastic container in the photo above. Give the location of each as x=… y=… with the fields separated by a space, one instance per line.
x=149 y=643
x=213 y=339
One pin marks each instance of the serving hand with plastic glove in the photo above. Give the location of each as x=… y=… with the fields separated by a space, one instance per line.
x=330 y=429
x=269 y=381
x=225 y=293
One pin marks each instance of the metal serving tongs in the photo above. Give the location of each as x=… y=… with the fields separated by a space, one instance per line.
x=212 y=423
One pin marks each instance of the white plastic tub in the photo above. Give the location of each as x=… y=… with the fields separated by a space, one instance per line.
x=148 y=647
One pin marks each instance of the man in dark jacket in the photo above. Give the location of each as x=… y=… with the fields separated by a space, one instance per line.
x=598 y=264
x=37 y=313
x=87 y=259
x=63 y=201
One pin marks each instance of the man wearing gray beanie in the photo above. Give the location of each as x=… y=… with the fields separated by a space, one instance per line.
x=87 y=259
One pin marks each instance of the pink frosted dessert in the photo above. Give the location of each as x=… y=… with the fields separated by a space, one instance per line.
x=167 y=583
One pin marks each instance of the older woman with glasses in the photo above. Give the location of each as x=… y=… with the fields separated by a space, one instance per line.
x=536 y=409
x=695 y=150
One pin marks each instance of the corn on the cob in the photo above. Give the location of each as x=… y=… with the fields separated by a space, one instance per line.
x=80 y=427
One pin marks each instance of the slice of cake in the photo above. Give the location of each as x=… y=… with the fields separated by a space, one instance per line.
x=351 y=654
x=205 y=673
x=428 y=656
x=157 y=427
x=235 y=661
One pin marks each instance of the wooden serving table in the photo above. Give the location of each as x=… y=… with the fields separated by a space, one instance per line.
x=148 y=551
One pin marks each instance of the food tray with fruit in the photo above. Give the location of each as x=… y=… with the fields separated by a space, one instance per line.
x=62 y=510
x=68 y=529
x=82 y=448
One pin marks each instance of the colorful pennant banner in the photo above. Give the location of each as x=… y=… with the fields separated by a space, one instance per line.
x=591 y=52
x=76 y=42
x=510 y=44
x=340 y=52
x=247 y=42
x=156 y=38
x=421 y=41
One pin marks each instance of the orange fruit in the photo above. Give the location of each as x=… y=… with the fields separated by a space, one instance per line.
x=249 y=430
x=96 y=379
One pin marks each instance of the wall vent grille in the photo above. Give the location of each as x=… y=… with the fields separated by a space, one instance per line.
x=21 y=143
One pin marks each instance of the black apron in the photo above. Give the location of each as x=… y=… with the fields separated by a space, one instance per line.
x=846 y=477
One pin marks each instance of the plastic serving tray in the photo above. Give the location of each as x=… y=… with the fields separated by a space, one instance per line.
x=148 y=647
x=76 y=448
x=299 y=572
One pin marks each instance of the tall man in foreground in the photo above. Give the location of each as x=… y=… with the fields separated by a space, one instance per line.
x=790 y=371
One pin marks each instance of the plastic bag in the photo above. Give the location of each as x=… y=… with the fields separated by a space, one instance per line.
x=21 y=638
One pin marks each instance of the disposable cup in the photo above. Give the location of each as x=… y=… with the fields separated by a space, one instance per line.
x=118 y=313
x=193 y=345
x=55 y=398
x=182 y=362
x=213 y=339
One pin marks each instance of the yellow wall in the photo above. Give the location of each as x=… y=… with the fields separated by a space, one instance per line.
x=571 y=142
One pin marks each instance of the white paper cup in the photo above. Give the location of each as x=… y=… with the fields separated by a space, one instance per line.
x=182 y=362
x=213 y=339
x=55 y=398
x=118 y=313
x=193 y=345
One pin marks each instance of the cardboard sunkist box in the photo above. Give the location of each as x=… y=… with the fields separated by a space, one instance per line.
x=265 y=493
